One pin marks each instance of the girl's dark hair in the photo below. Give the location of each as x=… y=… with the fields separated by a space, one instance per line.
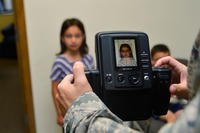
x=68 y=23
x=127 y=46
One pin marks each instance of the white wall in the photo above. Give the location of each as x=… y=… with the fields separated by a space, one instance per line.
x=175 y=23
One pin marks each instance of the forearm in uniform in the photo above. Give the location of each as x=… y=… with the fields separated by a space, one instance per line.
x=89 y=114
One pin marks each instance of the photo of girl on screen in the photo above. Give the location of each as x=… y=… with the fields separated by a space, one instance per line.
x=126 y=56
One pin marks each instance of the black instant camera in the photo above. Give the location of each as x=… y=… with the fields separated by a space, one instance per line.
x=125 y=80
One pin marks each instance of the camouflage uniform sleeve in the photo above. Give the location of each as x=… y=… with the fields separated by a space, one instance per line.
x=189 y=120
x=89 y=115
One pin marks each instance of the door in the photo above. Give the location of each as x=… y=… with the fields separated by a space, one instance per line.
x=16 y=102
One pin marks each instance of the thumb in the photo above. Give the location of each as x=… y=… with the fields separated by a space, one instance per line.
x=78 y=70
x=179 y=90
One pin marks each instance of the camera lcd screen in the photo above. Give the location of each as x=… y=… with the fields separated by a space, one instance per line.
x=125 y=52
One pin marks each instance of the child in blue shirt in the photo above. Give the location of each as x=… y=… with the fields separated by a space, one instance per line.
x=73 y=48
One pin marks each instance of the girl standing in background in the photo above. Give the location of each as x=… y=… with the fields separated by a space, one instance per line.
x=73 y=48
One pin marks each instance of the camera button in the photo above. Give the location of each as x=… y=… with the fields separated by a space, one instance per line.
x=108 y=78
x=145 y=66
x=120 y=78
x=144 y=60
x=146 y=77
x=133 y=79
x=144 y=55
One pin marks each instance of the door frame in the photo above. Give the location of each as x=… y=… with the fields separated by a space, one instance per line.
x=23 y=63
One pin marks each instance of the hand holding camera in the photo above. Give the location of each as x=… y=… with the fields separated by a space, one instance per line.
x=124 y=79
x=179 y=76
x=72 y=86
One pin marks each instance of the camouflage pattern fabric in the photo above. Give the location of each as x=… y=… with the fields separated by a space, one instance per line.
x=189 y=121
x=88 y=114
